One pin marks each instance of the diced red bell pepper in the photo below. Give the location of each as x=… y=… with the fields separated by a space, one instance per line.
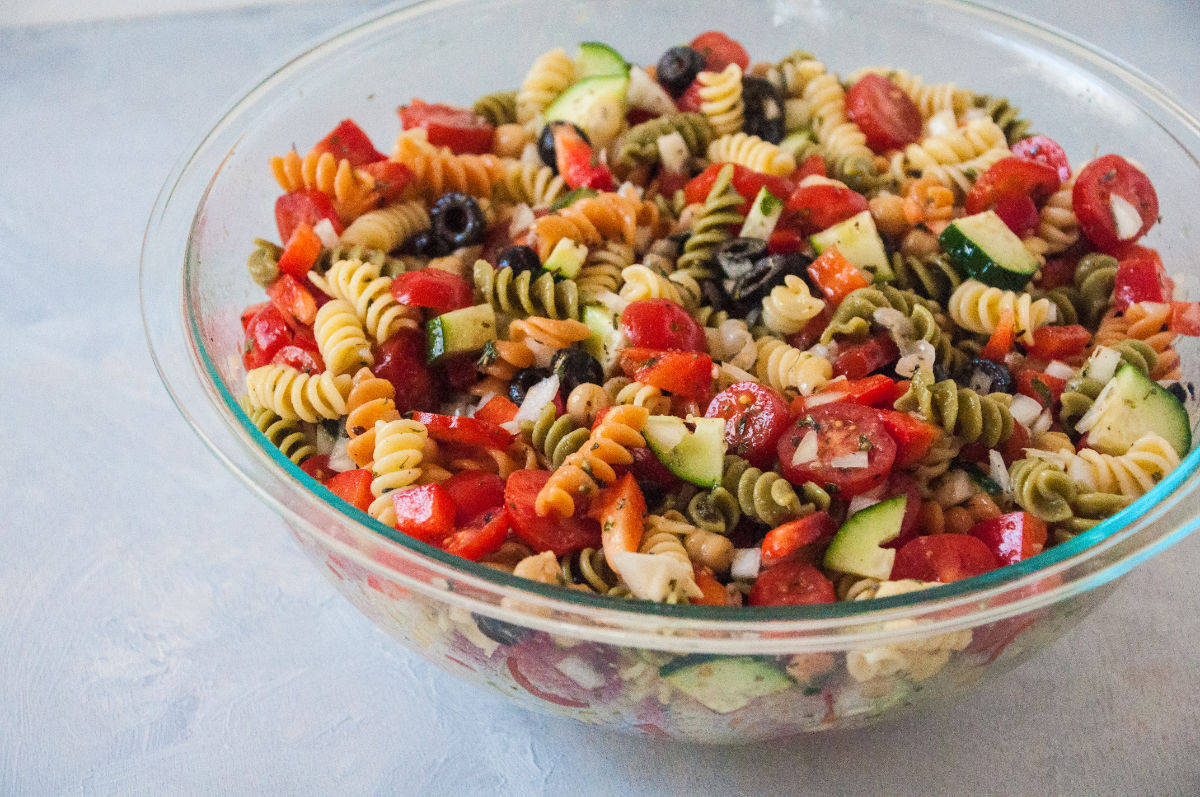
x=1140 y=279
x=460 y=129
x=434 y=288
x=498 y=410
x=425 y=512
x=714 y=591
x=1055 y=343
x=785 y=241
x=836 y=276
x=914 y=437
x=684 y=373
x=479 y=537
x=1012 y=537
x=306 y=206
x=266 y=332
x=792 y=537
x=302 y=250
x=391 y=179
x=746 y=182
x=876 y=390
x=353 y=487
x=294 y=302
x=317 y=466
x=812 y=165
x=1185 y=318
x=1001 y=341
x=817 y=207
x=1043 y=388
x=460 y=429
x=474 y=493
x=858 y=360
x=348 y=141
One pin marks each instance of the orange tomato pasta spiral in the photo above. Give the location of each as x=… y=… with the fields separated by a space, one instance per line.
x=437 y=171
x=352 y=190
x=371 y=399
x=606 y=217
x=1149 y=322
x=583 y=472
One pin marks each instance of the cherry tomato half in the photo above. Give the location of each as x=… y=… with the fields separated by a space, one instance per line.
x=306 y=206
x=662 y=324
x=1044 y=150
x=473 y=493
x=887 y=116
x=842 y=429
x=401 y=360
x=720 y=51
x=1097 y=184
x=755 y=417
x=550 y=533
x=460 y=429
x=1012 y=177
x=348 y=141
x=791 y=583
x=817 y=207
x=438 y=290
x=943 y=558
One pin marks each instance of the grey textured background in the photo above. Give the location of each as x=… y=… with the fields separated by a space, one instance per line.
x=161 y=633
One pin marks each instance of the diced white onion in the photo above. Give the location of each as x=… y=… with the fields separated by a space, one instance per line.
x=612 y=301
x=1125 y=215
x=537 y=398
x=1059 y=369
x=954 y=488
x=512 y=427
x=920 y=356
x=580 y=672
x=894 y=321
x=324 y=230
x=1024 y=409
x=941 y=123
x=999 y=471
x=858 y=459
x=1186 y=285
x=1102 y=365
x=324 y=440
x=824 y=397
x=827 y=350
x=746 y=564
x=807 y=450
x=339 y=459
x=674 y=152
x=543 y=355
x=1042 y=423
x=522 y=217
x=644 y=92
x=863 y=500
x=1092 y=416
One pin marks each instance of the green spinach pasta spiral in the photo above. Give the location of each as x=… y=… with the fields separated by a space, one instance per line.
x=286 y=435
x=1095 y=275
x=499 y=107
x=854 y=315
x=522 y=294
x=263 y=263
x=959 y=410
x=1006 y=115
x=932 y=276
x=712 y=228
x=557 y=437
x=639 y=145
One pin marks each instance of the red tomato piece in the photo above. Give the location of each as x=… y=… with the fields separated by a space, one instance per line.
x=1055 y=343
x=480 y=536
x=1140 y=279
x=791 y=538
x=293 y=300
x=903 y=484
x=266 y=333
x=746 y=182
x=1012 y=537
x=1185 y=318
x=857 y=360
x=791 y=583
x=914 y=437
x=720 y=51
x=812 y=165
x=1057 y=273
x=301 y=252
x=303 y=360
x=1014 y=447
x=690 y=100
x=317 y=466
x=425 y=512
x=887 y=116
x=842 y=429
x=755 y=417
x=460 y=129
x=943 y=558
x=306 y=206
x=576 y=161
x=1012 y=177
x=550 y=533
x=353 y=487
x=684 y=373
x=498 y=410
x=817 y=207
x=836 y=276
x=1001 y=341
x=401 y=360
x=250 y=312
x=662 y=324
x=1020 y=213
x=474 y=493
x=1044 y=149
x=1095 y=186
x=348 y=141
x=872 y=391
x=714 y=590
x=811 y=332
x=1043 y=388
x=785 y=241
x=391 y=179
x=460 y=429
x=438 y=290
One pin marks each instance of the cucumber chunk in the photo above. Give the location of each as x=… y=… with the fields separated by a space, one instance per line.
x=1132 y=405
x=984 y=248
x=597 y=58
x=725 y=683
x=566 y=258
x=596 y=105
x=696 y=455
x=460 y=331
x=607 y=338
x=859 y=242
x=763 y=216
x=857 y=548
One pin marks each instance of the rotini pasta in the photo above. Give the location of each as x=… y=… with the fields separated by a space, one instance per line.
x=721 y=99
x=523 y=294
x=585 y=470
x=789 y=307
x=387 y=228
x=751 y=152
x=295 y=396
x=396 y=464
x=978 y=308
x=361 y=285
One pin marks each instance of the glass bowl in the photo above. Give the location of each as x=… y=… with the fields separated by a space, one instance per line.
x=770 y=671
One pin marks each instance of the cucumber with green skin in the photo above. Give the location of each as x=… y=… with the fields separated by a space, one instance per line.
x=597 y=58
x=983 y=247
x=1132 y=405
x=460 y=331
x=607 y=338
x=696 y=455
x=763 y=216
x=859 y=242
x=596 y=105
x=566 y=258
x=725 y=683
x=857 y=548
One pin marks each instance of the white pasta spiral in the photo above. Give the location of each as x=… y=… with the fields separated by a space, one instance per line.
x=360 y=284
x=721 y=99
x=642 y=283
x=622 y=390
x=340 y=338
x=1132 y=474
x=753 y=153
x=1058 y=228
x=386 y=228
x=958 y=146
x=979 y=308
x=295 y=396
x=731 y=342
x=786 y=368
x=789 y=307
x=834 y=130
x=397 y=463
x=548 y=77
x=536 y=186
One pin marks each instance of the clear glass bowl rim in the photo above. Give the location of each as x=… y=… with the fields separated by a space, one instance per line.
x=191 y=378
